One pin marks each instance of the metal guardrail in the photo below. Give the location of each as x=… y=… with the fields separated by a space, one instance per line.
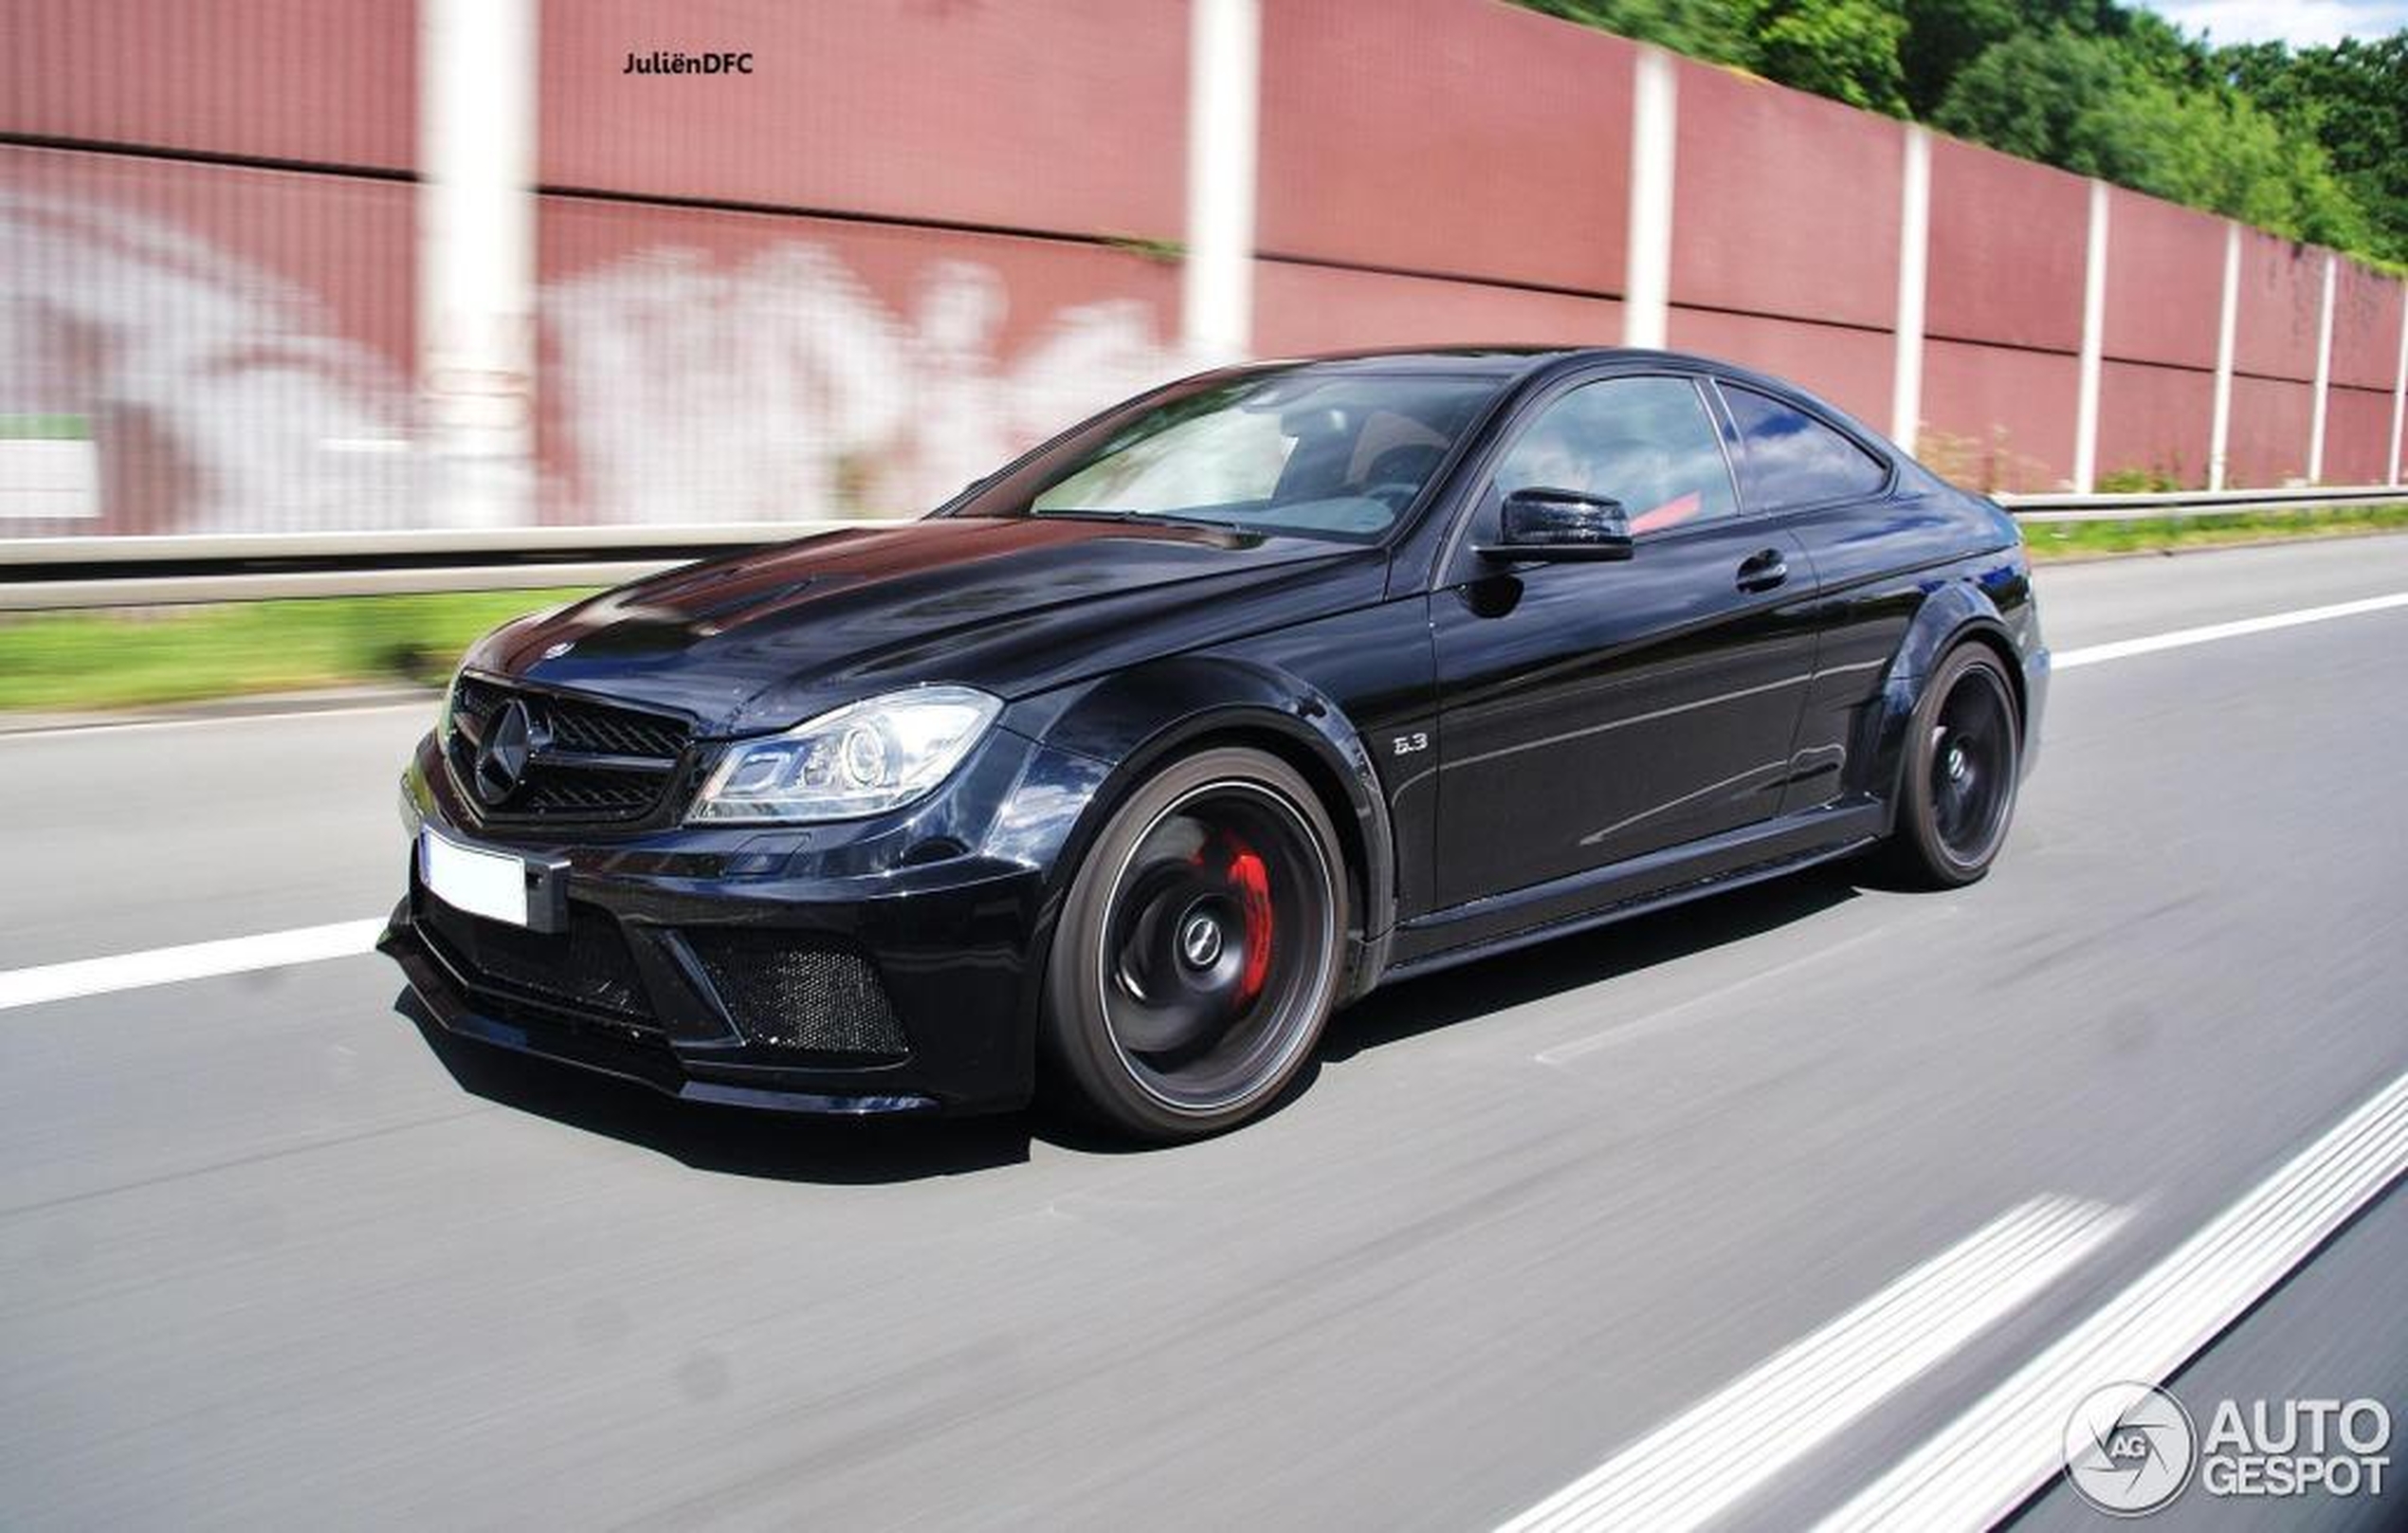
x=37 y=573
x=2151 y=504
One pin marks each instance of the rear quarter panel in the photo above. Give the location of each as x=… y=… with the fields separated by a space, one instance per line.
x=1899 y=582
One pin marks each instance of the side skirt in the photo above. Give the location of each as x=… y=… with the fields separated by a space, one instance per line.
x=1498 y=924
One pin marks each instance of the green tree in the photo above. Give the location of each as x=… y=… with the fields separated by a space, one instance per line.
x=1714 y=30
x=1845 y=49
x=2034 y=95
x=2352 y=98
x=2312 y=144
x=1942 y=36
x=2093 y=105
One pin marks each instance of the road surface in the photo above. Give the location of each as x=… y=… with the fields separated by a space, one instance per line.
x=1628 y=1205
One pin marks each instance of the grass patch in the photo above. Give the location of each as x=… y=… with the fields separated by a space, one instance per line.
x=75 y=662
x=85 y=660
x=2078 y=539
x=46 y=428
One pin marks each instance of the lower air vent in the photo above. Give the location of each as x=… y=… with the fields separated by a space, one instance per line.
x=795 y=991
x=586 y=968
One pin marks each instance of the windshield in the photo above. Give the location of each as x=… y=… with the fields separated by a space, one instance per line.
x=1293 y=452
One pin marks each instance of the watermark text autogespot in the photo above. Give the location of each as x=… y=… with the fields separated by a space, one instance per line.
x=2131 y=1449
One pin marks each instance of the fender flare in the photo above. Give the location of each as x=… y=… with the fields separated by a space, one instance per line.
x=1953 y=613
x=1133 y=721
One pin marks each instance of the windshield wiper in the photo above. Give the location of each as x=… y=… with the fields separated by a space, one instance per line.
x=1126 y=518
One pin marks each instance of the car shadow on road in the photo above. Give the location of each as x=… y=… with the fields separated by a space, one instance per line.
x=1566 y=963
x=735 y=1142
x=729 y=1140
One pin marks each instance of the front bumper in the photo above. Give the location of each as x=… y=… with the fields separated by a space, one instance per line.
x=2037 y=669
x=652 y=979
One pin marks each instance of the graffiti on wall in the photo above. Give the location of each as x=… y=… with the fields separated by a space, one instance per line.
x=220 y=394
x=783 y=388
x=223 y=395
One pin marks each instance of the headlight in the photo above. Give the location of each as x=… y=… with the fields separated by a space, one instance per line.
x=863 y=758
x=443 y=709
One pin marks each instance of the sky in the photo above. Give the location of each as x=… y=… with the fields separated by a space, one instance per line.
x=2300 y=23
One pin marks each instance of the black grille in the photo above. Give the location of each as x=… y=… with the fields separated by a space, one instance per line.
x=793 y=991
x=589 y=792
x=586 y=968
x=590 y=762
x=578 y=726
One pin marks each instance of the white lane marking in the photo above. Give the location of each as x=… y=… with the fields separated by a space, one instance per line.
x=1686 y=1471
x=1989 y=1460
x=92 y=977
x=2125 y=649
x=193 y=960
x=426 y=705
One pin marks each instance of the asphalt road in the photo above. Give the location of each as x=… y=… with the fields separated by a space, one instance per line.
x=270 y=1256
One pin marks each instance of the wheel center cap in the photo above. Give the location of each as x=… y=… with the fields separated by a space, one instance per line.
x=1200 y=941
x=1955 y=763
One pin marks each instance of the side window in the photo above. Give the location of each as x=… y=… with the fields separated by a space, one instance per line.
x=1789 y=458
x=1648 y=443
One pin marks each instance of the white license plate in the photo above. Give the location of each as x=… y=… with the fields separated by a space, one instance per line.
x=483 y=883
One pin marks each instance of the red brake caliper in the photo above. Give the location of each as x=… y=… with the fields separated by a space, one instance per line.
x=1253 y=881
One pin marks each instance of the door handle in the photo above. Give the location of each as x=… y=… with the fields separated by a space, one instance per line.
x=1762 y=572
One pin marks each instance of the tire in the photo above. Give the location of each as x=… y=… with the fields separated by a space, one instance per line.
x=1199 y=950
x=1957 y=786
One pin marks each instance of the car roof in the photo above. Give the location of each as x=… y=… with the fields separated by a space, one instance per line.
x=1490 y=362
x=1518 y=366
x=1524 y=366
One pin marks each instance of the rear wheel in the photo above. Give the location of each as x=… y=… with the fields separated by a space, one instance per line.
x=1964 y=758
x=1198 y=952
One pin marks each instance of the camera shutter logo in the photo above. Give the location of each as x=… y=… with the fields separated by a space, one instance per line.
x=2129 y=1449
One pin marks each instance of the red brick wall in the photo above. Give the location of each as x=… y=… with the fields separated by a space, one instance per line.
x=1784 y=204
x=1443 y=136
x=1068 y=114
x=921 y=232
x=329 y=81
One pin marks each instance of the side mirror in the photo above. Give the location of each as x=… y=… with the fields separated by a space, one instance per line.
x=1560 y=525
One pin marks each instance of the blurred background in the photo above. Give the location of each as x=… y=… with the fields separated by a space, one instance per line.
x=285 y=266
x=371 y=287
x=426 y=313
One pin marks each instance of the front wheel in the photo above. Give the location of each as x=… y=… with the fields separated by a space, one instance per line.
x=1198 y=952
x=1963 y=757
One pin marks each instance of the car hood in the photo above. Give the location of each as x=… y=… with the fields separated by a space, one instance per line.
x=764 y=639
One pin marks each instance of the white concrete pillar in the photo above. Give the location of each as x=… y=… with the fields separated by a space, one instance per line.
x=2094 y=270
x=2324 y=375
x=1647 y=269
x=1914 y=256
x=2227 y=324
x=476 y=262
x=2400 y=385
x=1217 y=300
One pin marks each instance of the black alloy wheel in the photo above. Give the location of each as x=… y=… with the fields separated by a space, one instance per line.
x=1199 y=951
x=1964 y=755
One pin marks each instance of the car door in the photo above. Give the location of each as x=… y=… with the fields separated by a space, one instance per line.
x=1871 y=548
x=1592 y=713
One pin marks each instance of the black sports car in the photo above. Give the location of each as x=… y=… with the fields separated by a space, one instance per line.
x=1121 y=771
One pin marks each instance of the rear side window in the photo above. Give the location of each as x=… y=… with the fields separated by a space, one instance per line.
x=1790 y=458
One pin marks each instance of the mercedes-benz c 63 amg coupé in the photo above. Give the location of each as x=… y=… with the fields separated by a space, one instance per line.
x=1118 y=772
